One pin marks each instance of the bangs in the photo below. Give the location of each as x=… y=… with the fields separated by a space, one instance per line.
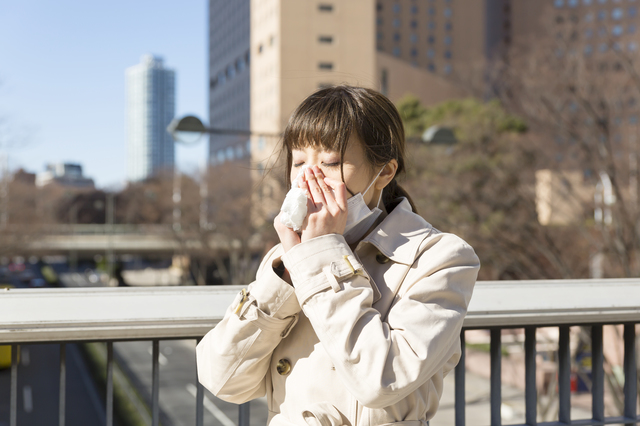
x=324 y=120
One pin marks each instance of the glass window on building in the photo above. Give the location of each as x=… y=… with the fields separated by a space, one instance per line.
x=431 y=67
x=396 y=51
x=447 y=40
x=572 y=3
x=447 y=12
x=603 y=47
x=588 y=50
x=414 y=24
x=617 y=30
x=448 y=26
x=617 y=13
x=431 y=39
x=448 y=69
x=396 y=23
x=633 y=119
x=325 y=39
x=432 y=11
x=633 y=12
x=380 y=36
x=379 y=21
x=631 y=29
x=602 y=1
x=379 y=7
x=447 y=54
x=602 y=15
x=602 y=31
x=414 y=38
x=588 y=33
x=396 y=8
x=325 y=66
x=558 y=3
x=396 y=37
x=587 y=2
x=414 y=10
x=325 y=7
x=632 y=46
x=431 y=25
x=431 y=53
x=414 y=52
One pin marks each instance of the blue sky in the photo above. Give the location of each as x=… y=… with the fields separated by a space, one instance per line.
x=62 y=67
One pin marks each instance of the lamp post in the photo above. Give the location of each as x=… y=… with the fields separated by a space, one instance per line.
x=189 y=130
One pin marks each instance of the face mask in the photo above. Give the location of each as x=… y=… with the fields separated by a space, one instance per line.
x=359 y=217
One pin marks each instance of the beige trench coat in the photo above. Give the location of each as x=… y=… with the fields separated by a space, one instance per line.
x=361 y=338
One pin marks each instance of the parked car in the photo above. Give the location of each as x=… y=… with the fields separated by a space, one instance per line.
x=5 y=356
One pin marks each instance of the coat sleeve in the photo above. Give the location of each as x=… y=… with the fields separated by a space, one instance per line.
x=382 y=362
x=233 y=358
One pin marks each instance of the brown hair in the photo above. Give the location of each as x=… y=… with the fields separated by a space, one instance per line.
x=331 y=115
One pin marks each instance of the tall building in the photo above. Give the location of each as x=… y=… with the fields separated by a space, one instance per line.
x=229 y=78
x=150 y=99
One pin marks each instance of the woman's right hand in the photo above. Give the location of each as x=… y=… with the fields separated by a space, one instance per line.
x=288 y=237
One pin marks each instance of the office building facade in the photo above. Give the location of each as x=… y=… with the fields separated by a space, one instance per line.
x=229 y=78
x=150 y=107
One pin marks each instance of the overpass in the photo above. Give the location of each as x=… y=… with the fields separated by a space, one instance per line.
x=119 y=239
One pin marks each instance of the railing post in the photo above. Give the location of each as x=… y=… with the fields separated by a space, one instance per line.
x=597 y=374
x=460 y=392
x=109 y=405
x=496 y=376
x=630 y=373
x=244 y=414
x=564 y=376
x=531 y=394
x=155 y=385
x=199 y=398
x=13 y=404
x=63 y=385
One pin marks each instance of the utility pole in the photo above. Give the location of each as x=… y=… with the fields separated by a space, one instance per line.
x=110 y=230
x=4 y=191
x=177 y=198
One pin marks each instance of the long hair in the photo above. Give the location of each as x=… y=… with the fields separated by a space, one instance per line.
x=329 y=117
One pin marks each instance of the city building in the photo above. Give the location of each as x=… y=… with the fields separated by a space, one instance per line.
x=229 y=78
x=150 y=107
x=64 y=174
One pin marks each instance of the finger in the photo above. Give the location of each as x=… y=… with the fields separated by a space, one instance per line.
x=327 y=192
x=339 y=192
x=316 y=192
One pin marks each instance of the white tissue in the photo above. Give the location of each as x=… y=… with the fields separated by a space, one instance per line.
x=294 y=208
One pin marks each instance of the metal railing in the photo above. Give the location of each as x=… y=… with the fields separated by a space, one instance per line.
x=121 y=314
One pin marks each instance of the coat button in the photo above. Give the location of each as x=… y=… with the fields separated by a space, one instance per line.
x=381 y=258
x=283 y=367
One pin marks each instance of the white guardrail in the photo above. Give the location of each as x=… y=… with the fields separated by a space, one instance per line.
x=65 y=314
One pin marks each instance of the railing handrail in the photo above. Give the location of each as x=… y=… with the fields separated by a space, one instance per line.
x=75 y=314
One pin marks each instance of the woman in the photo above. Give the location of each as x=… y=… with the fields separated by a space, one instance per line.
x=356 y=319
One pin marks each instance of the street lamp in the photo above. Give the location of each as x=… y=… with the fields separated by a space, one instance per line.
x=439 y=135
x=189 y=130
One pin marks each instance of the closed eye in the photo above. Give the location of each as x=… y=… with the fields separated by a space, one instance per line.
x=336 y=164
x=298 y=164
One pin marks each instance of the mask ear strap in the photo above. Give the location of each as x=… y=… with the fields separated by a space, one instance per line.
x=374 y=179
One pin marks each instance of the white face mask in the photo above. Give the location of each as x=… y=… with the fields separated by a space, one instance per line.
x=359 y=216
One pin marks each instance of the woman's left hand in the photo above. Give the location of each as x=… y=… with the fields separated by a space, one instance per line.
x=327 y=205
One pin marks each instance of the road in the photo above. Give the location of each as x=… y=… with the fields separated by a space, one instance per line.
x=38 y=384
x=177 y=384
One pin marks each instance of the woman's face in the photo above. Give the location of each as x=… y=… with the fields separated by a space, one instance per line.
x=358 y=174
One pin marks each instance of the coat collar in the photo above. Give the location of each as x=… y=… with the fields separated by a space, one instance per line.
x=400 y=234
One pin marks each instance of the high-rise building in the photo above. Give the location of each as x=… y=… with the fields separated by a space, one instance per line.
x=150 y=98
x=229 y=78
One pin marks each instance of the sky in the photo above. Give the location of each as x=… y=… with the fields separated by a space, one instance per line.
x=62 y=87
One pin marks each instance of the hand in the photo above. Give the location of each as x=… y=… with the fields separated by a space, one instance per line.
x=288 y=237
x=327 y=206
